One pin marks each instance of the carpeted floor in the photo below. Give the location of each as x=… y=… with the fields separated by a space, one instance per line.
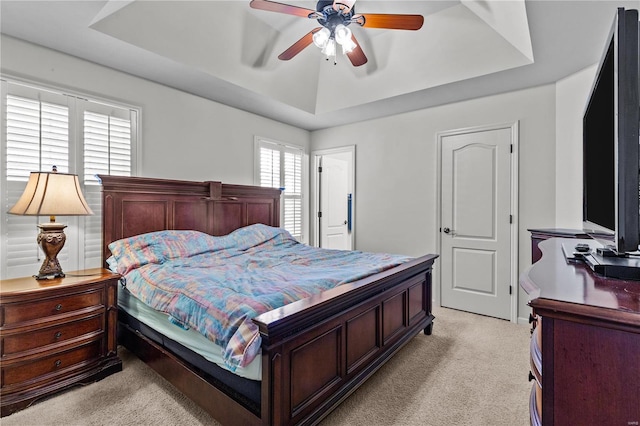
x=471 y=371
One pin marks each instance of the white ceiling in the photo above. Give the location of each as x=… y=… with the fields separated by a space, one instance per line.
x=227 y=51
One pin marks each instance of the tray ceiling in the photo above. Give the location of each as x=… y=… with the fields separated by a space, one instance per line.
x=227 y=51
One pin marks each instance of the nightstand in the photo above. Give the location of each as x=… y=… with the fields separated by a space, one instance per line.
x=55 y=334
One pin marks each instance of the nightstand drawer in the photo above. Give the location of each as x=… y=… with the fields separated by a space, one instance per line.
x=14 y=344
x=50 y=366
x=15 y=313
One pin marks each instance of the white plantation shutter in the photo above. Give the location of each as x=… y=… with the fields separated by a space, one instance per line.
x=42 y=128
x=281 y=166
x=292 y=194
x=270 y=167
x=37 y=138
x=107 y=149
x=107 y=146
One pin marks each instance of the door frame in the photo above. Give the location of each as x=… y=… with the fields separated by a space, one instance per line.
x=514 y=128
x=315 y=184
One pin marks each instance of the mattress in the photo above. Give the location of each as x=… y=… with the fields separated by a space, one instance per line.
x=188 y=338
x=216 y=285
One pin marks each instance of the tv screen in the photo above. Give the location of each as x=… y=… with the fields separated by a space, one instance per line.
x=599 y=151
x=611 y=200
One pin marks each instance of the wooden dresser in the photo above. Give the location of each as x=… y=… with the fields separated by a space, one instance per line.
x=55 y=334
x=585 y=349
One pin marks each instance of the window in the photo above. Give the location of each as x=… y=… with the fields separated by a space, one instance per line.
x=281 y=166
x=42 y=128
x=107 y=149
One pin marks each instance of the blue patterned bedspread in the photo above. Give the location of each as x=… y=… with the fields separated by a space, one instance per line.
x=216 y=285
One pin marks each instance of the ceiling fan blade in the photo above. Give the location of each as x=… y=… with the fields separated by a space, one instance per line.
x=343 y=5
x=357 y=56
x=298 y=46
x=389 y=21
x=272 y=6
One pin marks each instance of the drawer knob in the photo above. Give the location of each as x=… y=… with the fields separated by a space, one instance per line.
x=532 y=319
x=531 y=376
x=58 y=335
x=58 y=363
x=58 y=307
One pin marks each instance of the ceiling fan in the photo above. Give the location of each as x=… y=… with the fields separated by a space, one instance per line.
x=335 y=16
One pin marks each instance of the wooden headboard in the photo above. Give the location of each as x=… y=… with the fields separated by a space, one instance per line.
x=135 y=205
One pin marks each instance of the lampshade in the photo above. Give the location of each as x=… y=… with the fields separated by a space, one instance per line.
x=52 y=194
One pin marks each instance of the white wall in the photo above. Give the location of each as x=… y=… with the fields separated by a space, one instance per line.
x=572 y=94
x=187 y=137
x=396 y=169
x=183 y=136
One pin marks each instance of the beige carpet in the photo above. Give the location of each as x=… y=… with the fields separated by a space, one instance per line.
x=471 y=371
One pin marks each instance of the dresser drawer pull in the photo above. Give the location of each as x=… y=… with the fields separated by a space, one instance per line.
x=58 y=307
x=531 y=376
x=58 y=335
x=58 y=363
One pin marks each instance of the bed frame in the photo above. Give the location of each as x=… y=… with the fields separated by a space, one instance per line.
x=315 y=352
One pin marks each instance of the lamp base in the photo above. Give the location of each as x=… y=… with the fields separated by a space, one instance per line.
x=51 y=240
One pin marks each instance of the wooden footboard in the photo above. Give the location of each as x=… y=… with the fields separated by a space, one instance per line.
x=317 y=351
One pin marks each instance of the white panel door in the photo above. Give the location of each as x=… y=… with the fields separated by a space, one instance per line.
x=334 y=194
x=476 y=222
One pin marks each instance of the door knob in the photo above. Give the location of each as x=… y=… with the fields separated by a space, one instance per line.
x=446 y=230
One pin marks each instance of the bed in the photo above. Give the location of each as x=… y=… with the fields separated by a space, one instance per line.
x=313 y=352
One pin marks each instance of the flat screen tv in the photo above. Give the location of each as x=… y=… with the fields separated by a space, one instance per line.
x=611 y=141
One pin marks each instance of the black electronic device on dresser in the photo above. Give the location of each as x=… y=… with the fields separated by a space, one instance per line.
x=611 y=128
x=611 y=149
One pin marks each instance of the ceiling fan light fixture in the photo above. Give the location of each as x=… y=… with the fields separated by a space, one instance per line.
x=320 y=38
x=342 y=34
x=348 y=46
x=330 y=48
x=335 y=16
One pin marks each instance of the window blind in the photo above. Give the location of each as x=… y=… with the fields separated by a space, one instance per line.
x=106 y=150
x=280 y=166
x=43 y=128
x=37 y=138
x=292 y=194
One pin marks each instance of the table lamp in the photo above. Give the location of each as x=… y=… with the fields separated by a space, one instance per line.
x=52 y=194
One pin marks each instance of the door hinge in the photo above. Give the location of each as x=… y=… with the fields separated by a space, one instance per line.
x=510 y=218
x=511 y=148
x=319 y=214
x=320 y=169
x=510 y=289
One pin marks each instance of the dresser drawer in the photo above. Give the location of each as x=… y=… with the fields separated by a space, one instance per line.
x=538 y=400
x=13 y=344
x=15 y=313
x=536 y=356
x=535 y=406
x=51 y=365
